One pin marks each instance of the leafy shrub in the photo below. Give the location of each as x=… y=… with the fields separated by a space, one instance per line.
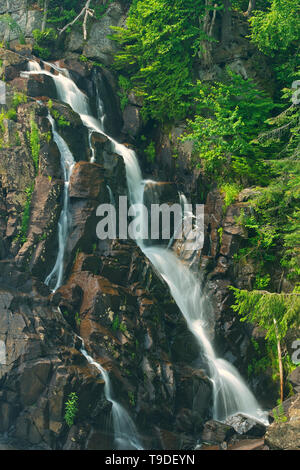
x=230 y=191
x=71 y=408
x=150 y=152
x=34 y=140
x=159 y=45
x=223 y=134
x=22 y=235
x=13 y=26
x=44 y=42
x=276 y=28
x=61 y=121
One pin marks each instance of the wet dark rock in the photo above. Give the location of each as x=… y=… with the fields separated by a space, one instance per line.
x=294 y=379
x=111 y=296
x=87 y=182
x=12 y=64
x=132 y=120
x=215 y=432
x=245 y=425
x=71 y=129
x=41 y=85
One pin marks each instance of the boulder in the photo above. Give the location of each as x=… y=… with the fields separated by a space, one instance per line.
x=132 y=120
x=245 y=425
x=294 y=379
x=87 y=182
x=215 y=432
x=98 y=45
x=70 y=128
x=41 y=85
x=284 y=432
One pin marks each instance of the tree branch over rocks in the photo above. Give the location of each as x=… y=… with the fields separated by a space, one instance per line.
x=86 y=12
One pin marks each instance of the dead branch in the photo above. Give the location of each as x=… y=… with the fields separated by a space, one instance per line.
x=86 y=11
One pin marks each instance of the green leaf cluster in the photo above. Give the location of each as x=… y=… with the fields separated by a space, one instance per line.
x=22 y=235
x=34 y=140
x=71 y=408
x=158 y=48
x=228 y=117
x=44 y=42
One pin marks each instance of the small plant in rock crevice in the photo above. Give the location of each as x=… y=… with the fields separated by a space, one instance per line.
x=71 y=408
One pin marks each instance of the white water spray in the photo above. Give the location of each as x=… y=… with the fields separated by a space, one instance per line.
x=231 y=394
x=125 y=433
x=55 y=278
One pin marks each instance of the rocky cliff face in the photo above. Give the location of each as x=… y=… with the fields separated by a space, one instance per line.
x=111 y=297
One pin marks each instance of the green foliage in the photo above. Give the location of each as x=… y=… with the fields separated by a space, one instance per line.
x=264 y=359
x=276 y=32
x=231 y=114
x=150 y=152
x=278 y=414
x=159 y=44
x=18 y=98
x=44 y=42
x=34 y=141
x=242 y=5
x=123 y=328
x=116 y=323
x=99 y=10
x=220 y=232
x=22 y=235
x=11 y=114
x=61 y=12
x=124 y=85
x=276 y=313
x=230 y=191
x=274 y=226
x=71 y=408
x=61 y=121
x=13 y=26
x=77 y=319
x=83 y=58
x=261 y=282
x=131 y=398
x=278 y=27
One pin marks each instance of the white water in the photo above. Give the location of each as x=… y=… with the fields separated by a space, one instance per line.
x=231 y=394
x=125 y=433
x=55 y=278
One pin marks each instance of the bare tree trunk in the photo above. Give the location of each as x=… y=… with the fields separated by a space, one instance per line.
x=251 y=7
x=45 y=14
x=207 y=24
x=279 y=354
x=86 y=11
x=226 y=22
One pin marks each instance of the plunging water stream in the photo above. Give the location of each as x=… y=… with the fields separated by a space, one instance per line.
x=55 y=278
x=231 y=394
x=125 y=433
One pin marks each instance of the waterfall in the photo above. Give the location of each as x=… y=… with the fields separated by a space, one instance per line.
x=231 y=394
x=125 y=433
x=124 y=429
x=54 y=279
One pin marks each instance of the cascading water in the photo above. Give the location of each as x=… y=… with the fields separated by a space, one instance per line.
x=125 y=433
x=54 y=279
x=231 y=394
